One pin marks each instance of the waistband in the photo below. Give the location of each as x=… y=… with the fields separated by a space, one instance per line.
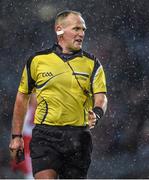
x=66 y=127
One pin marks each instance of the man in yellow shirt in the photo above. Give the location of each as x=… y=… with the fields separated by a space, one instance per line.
x=70 y=89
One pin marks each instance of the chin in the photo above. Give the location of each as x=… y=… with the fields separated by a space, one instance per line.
x=77 y=48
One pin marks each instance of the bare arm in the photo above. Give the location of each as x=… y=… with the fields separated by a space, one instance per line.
x=18 y=120
x=100 y=100
x=20 y=109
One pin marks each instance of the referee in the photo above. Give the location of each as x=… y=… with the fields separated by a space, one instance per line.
x=70 y=89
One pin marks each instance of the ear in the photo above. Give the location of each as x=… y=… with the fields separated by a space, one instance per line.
x=59 y=30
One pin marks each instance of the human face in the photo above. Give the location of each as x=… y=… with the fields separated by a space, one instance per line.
x=74 y=30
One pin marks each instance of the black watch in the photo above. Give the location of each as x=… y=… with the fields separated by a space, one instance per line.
x=16 y=135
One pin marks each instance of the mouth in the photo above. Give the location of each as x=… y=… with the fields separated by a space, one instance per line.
x=79 y=41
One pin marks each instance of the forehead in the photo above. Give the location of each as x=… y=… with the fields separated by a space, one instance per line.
x=74 y=20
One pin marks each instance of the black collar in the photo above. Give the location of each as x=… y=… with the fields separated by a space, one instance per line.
x=66 y=57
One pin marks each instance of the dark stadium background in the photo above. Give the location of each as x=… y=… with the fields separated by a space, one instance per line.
x=118 y=34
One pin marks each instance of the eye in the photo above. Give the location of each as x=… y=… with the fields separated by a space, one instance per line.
x=76 y=28
x=84 y=29
x=79 y=29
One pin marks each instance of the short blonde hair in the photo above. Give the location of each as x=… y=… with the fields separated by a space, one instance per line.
x=63 y=14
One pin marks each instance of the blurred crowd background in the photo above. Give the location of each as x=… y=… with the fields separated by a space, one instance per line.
x=118 y=34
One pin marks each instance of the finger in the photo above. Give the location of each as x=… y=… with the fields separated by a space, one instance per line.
x=92 y=115
x=91 y=127
x=12 y=155
x=90 y=112
x=14 y=147
x=11 y=149
x=94 y=120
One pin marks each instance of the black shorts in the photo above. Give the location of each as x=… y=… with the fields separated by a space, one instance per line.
x=66 y=149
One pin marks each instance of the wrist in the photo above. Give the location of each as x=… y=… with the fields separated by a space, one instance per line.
x=98 y=112
x=16 y=136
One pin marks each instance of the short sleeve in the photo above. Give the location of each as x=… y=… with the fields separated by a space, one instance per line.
x=27 y=82
x=98 y=79
x=23 y=87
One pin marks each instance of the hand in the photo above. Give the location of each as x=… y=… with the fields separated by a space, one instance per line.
x=16 y=144
x=92 y=119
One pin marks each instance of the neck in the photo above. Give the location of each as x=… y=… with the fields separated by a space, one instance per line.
x=58 y=48
x=64 y=49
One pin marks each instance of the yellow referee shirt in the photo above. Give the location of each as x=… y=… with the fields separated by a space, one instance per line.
x=63 y=84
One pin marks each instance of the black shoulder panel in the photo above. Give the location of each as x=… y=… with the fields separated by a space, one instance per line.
x=46 y=51
x=89 y=55
x=97 y=64
x=31 y=82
